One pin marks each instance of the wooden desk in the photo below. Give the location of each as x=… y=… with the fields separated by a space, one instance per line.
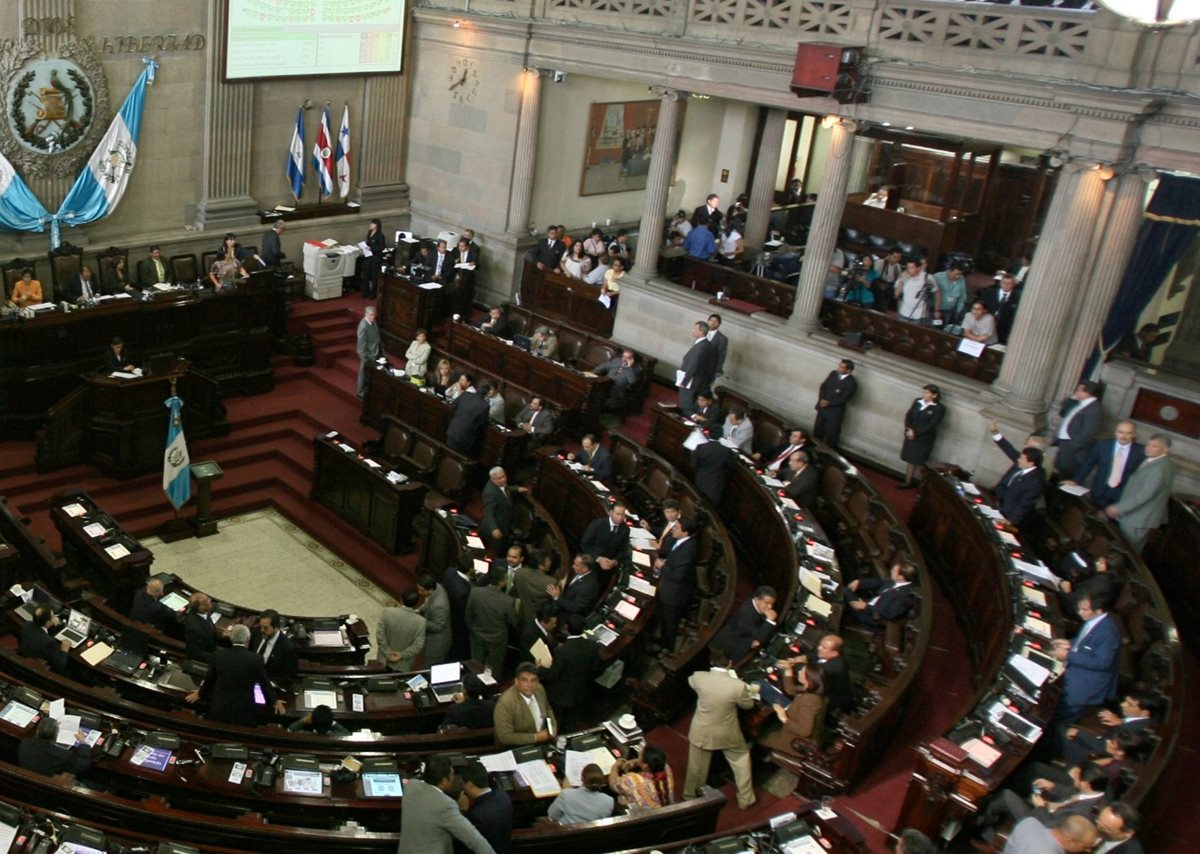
x=773 y=297
x=357 y=489
x=405 y=307
x=227 y=337
x=579 y=398
x=72 y=513
x=563 y=298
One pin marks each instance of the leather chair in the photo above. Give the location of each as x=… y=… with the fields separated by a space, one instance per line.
x=184 y=268
x=65 y=263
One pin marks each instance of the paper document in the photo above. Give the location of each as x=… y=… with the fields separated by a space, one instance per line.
x=694 y=440
x=772 y=482
x=95 y=529
x=818 y=606
x=641 y=585
x=1038 y=627
x=1036 y=571
x=679 y=377
x=821 y=552
x=605 y=300
x=475 y=542
x=598 y=486
x=540 y=779
x=68 y=725
x=96 y=653
x=1037 y=597
x=430 y=286
x=327 y=637
x=969 y=488
x=984 y=754
x=577 y=760
x=73 y=510
x=541 y=654
x=642 y=559
x=810 y=581
x=1031 y=670
x=116 y=551
x=628 y=611
x=481 y=566
x=497 y=762
x=788 y=503
x=1073 y=489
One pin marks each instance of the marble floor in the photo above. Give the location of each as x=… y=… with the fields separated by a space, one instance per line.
x=264 y=560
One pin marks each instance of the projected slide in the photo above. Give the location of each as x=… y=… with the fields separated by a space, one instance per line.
x=290 y=38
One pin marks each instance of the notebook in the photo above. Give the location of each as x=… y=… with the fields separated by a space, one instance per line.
x=76 y=630
x=446 y=680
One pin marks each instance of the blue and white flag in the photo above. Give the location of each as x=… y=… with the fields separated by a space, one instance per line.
x=341 y=156
x=177 y=467
x=102 y=183
x=295 y=161
x=20 y=209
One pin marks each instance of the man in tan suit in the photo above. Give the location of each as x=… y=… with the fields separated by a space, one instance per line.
x=523 y=714
x=719 y=695
x=400 y=635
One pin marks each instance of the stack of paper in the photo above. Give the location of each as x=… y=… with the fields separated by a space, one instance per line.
x=539 y=778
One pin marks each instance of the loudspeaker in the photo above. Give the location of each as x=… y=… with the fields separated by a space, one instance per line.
x=832 y=70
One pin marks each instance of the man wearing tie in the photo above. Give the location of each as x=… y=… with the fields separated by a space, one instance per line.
x=153 y=270
x=1143 y=504
x=836 y=391
x=274 y=647
x=440 y=263
x=1077 y=432
x=1114 y=461
x=607 y=539
x=776 y=458
x=677 y=581
x=497 y=510
x=82 y=288
x=549 y=252
x=535 y=420
x=1021 y=487
x=1004 y=303
x=1093 y=659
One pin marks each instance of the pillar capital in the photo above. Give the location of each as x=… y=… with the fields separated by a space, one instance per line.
x=669 y=94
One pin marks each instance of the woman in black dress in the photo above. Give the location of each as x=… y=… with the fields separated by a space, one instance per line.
x=920 y=431
x=371 y=266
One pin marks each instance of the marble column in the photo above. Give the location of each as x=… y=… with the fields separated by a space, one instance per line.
x=860 y=165
x=1052 y=288
x=822 y=236
x=525 y=159
x=380 y=157
x=228 y=123
x=1108 y=269
x=658 y=183
x=762 y=188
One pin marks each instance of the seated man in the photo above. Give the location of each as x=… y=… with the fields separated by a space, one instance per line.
x=594 y=458
x=495 y=323
x=544 y=343
x=1139 y=711
x=738 y=431
x=148 y=609
x=523 y=713
x=43 y=755
x=82 y=288
x=703 y=412
x=624 y=372
x=751 y=625
x=874 y=600
x=471 y=708
x=535 y=419
x=320 y=721
x=117 y=358
x=802 y=480
x=37 y=640
x=154 y=270
x=776 y=457
x=607 y=538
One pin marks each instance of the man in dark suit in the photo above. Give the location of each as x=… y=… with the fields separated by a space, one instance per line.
x=775 y=458
x=1077 y=432
x=1139 y=710
x=457 y=581
x=802 y=480
x=750 y=626
x=580 y=591
x=439 y=264
x=828 y=656
x=147 y=607
x=153 y=270
x=491 y=613
x=465 y=253
x=464 y=433
x=711 y=464
x=1093 y=659
x=710 y=211
x=82 y=287
x=1118 y=824
x=568 y=680
x=37 y=640
x=541 y=628
x=228 y=686
x=677 y=581
x=874 y=600
x=1021 y=487
x=117 y=358
x=607 y=539
x=1113 y=461
x=717 y=338
x=199 y=632
x=276 y=649
x=491 y=810
x=702 y=410
x=496 y=526
x=549 y=252
x=272 y=252
x=625 y=372
x=1003 y=302
x=698 y=368
x=536 y=420
x=42 y=755
x=495 y=323
x=836 y=391
x=594 y=458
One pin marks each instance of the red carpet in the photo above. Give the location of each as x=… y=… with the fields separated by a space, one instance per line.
x=267 y=459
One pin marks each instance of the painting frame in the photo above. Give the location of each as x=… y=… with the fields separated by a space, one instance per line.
x=617 y=142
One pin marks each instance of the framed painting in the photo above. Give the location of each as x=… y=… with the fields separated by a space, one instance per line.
x=620 y=137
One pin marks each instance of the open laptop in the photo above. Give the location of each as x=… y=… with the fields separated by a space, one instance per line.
x=131 y=652
x=76 y=631
x=446 y=680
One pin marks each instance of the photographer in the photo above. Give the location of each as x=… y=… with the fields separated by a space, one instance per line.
x=856 y=284
x=917 y=293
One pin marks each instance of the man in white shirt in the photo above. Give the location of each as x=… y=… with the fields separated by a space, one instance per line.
x=914 y=290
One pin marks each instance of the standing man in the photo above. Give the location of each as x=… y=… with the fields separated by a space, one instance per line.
x=1077 y=432
x=719 y=695
x=1021 y=487
x=153 y=270
x=569 y=677
x=1143 y=504
x=464 y=433
x=148 y=608
x=709 y=212
x=837 y=390
x=1093 y=659
x=457 y=582
x=717 y=338
x=580 y=591
x=677 y=581
x=439 y=632
x=199 y=632
x=711 y=464
x=549 y=252
x=431 y=820
x=490 y=614
x=700 y=243
x=400 y=635
x=272 y=251
x=889 y=268
x=276 y=649
x=1005 y=300
x=228 y=686
x=532 y=584
x=1114 y=461
x=370 y=347
x=497 y=510
x=698 y=368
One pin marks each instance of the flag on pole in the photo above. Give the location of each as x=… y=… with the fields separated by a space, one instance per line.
x=103 y=181
x=177 y=469
x=322 y=156
x=342 y=156
x=20 y=209
x=295 y=161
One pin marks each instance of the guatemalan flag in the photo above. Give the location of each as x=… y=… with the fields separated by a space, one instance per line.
x=20 y=209
x=322 y=156
x=295 y=162
x=101 y=184
x=342 y=155
x=177 y=469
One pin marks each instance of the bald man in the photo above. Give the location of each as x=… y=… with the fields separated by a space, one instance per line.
x=148 y=609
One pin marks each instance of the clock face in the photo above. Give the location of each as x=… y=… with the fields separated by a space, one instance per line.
x=463 y=79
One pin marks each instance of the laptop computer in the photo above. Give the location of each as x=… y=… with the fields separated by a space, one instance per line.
x=446 y=680
x=131 y=652
x=523 y=341
x=77 y=628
